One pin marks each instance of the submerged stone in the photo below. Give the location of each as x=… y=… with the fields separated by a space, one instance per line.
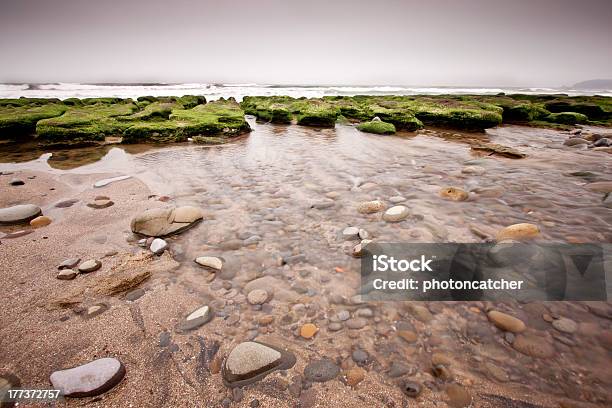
x=321 y=370
x=160 y=222
x=251 y=361
x=195 y=319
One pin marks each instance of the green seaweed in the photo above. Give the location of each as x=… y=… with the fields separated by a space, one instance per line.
x=18 y=122
x=378 y=127
x=566 y=118
x=89 y=122
x=224 y=118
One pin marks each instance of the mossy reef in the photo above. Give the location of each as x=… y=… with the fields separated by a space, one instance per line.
x=462 y=112
x=151 y=119
x=147 y=120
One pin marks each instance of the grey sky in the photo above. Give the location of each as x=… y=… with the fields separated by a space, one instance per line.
x=433 y=42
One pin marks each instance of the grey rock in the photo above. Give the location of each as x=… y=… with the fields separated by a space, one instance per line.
x=90 y=379
x=90 y=266
x=19 y=213
x=160 y=222
x=356 y=323
x=158 y=246
x=396 y=213
x=574 y=141
x=195 y=319
x=350 y=233
x=251 y=361
x=69 y=263
x=360 y=356
x=67 y=274
x=397 y=199
x=321 y=370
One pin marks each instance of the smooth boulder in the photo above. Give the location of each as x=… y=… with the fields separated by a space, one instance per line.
x=89 y=379
x=19 y=213
x=160 y=222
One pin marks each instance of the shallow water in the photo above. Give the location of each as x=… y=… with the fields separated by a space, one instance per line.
x=266 y=184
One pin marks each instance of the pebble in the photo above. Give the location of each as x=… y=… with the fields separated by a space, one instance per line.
x=321 y=205
x=358 y=249
x=308 y=330
x=574 y=141
x=69 y=263
x=251 y=361
x=354 y=376
x=210 y=262
x=90 y=266
x=19 y=213
x=252 y=240
x=16 y=182
x=159 y=222
x=363 y=234
x=100 y=203
x=334 y=326
x=67 y=274
x=356 y=323
x=257 y=297
x=534 y=346
x=506 y=322
x=41 y=221
x=454 y=194
x=195 y=319
x=370 y=207
x=398 y=369
x=105 y=182
x=473 y=170
x=90 y=379
x=396 y=213
x=458 y=396
x=565 y=325
x=350 y=233
x=321 y=370
x=410 y=388
x=134 y=295
x=396 y=199
x=360 y=356
x=343 y=315
x=95 y=310
x=158 y=246
x=522 y=231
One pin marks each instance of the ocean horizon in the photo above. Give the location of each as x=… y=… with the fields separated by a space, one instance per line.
x=214 y=91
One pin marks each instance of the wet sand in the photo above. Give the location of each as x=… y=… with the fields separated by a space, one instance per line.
x=265 y=185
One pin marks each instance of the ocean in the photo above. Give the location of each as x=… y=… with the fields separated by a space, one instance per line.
x=238 y=91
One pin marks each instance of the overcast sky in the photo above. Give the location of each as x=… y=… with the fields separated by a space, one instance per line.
x=424 y=42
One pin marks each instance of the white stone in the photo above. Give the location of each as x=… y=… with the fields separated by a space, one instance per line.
x=210 y=262
x=158 y=246
x=396 y=213
x=249 y=357
x=201 y=312
x=107 y=181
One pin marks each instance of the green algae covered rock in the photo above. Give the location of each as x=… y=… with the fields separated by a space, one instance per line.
x=378 y=127
x=567 y=118
x=224 y=118
x=91 y=122
x=17 y=122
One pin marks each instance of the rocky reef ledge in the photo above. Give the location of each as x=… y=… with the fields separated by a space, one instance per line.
x=148 y=119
